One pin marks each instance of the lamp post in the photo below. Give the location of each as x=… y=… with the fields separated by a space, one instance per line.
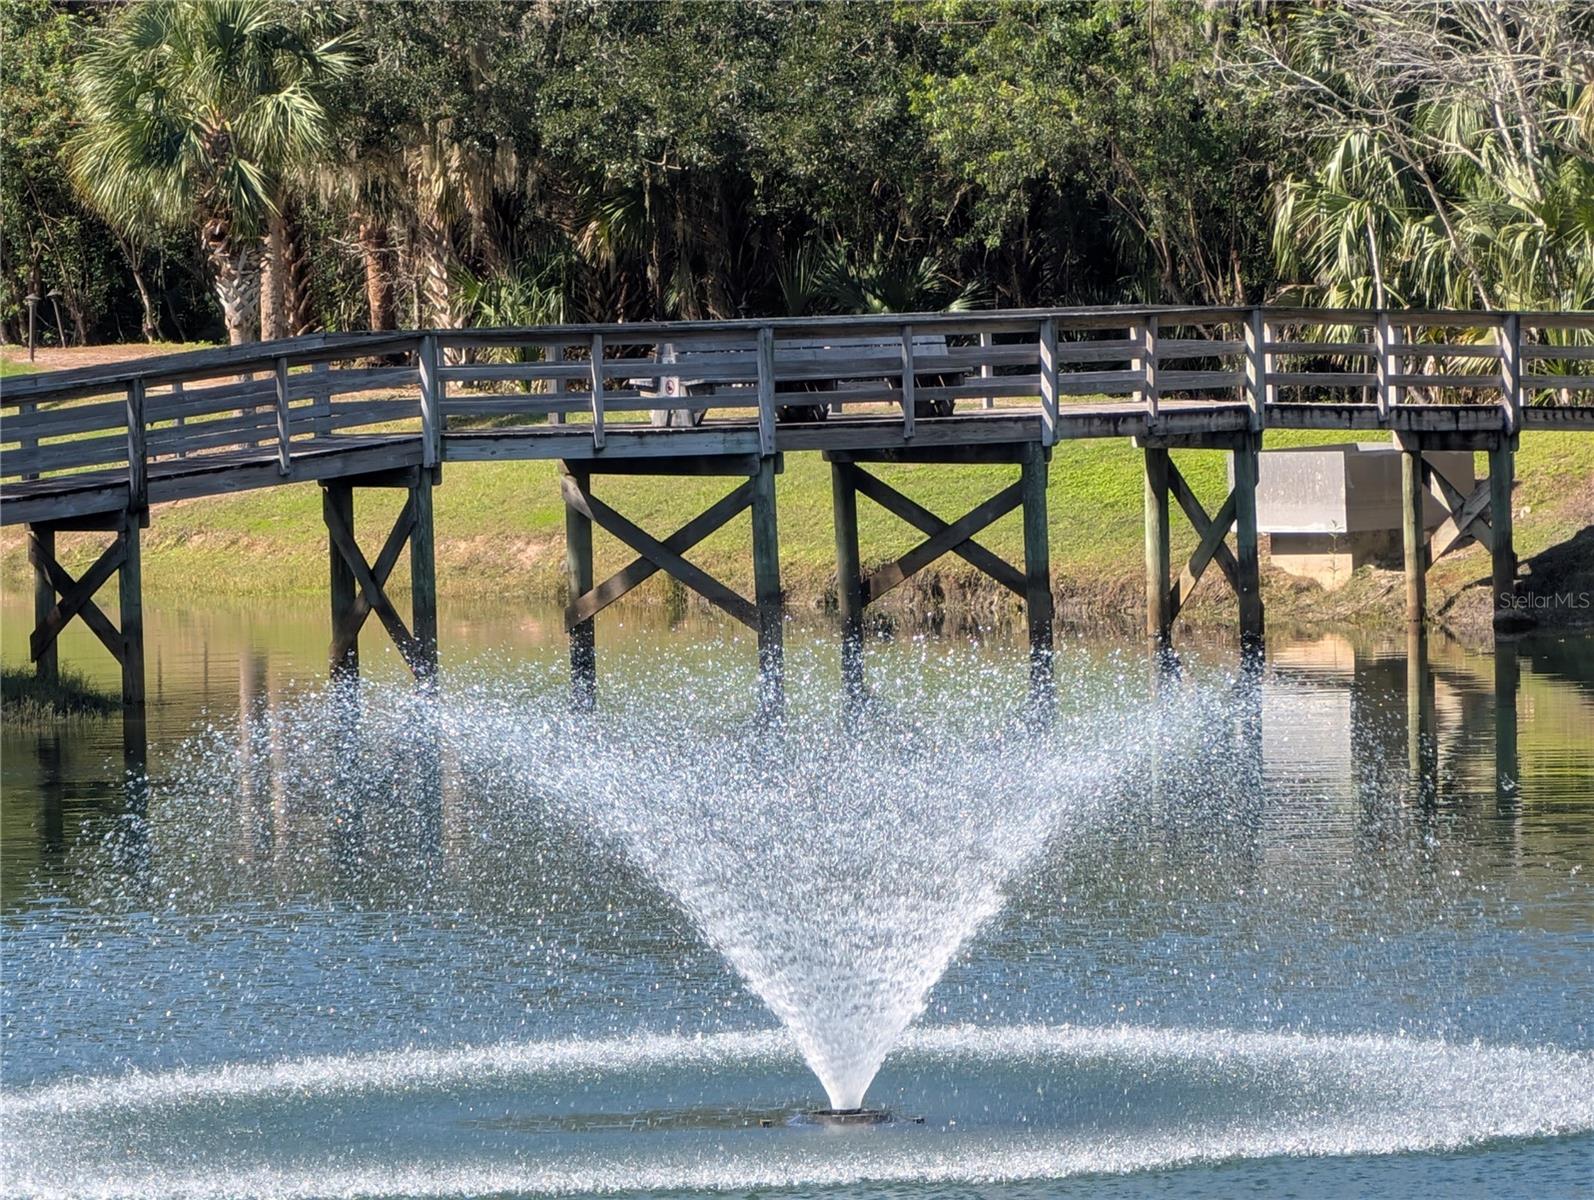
x=60 y=329
x=33 y=311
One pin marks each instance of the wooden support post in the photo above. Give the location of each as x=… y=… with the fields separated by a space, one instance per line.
x=130 y=619
x=1247 y=553
x=343 y=658
x=1503 y=548
x=987 y=371
x=766 y=592
x=423 y=581
x=578 y=569
x=1037 y=577
x=41 y=551
x=849 y=579
x=1414 y=536
x=284 y=425
x=1159 y=618
x=130 y=595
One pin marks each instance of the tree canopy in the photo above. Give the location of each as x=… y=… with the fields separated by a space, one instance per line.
x=358 y=164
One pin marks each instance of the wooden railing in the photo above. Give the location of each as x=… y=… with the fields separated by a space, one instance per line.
x=1351 y=369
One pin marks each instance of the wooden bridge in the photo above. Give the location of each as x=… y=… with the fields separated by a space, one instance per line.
x=96 y=448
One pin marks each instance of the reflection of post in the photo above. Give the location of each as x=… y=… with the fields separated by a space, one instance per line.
x=1422 y=746
x=254 y=751
x=849 y=580
x=1507 y=676
x=578 y=568
x=52 y=816
x=1038 y=580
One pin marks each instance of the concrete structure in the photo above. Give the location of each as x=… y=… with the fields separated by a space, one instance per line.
x=1328 y=510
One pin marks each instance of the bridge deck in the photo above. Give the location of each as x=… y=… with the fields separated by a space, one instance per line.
x=104 y=439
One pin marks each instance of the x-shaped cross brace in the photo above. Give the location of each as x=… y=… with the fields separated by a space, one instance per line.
x=956 y=537
x=77 y=597
x=1210 y=548
x=373 y=582
x=1468 y=516
x=656 y=555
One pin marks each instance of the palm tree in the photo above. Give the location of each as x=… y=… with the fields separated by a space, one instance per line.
x=193 y=114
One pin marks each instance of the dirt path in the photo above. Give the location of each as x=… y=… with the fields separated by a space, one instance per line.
x=54 y=358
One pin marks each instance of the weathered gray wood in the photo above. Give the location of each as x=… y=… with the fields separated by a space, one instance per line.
x=849 y=579
x=1208 y=547
x=596 y=365
x=1258 y=365
x=372 y=582
x=1414 y=536
x=907 y=381
x=284 y=431
x=987 y=368
x=1149 y=392
x=879 y=582
x=590 y=603
x=578 y=572
x=1038 y=581
x=1503 y=552
x=343 y=657
x=137 y=456
x=433 y=393
x=1507 y=682
x=1247 y=552
x=1466 y=514
x=1159 y=617
x=645 y=543
x=925 y=521
x=1203 y=525
x=1049 y=381
x=130 y=619
x=1510 y=337
x=767 y=593
x=423 y=579
x=41 y=550
x=77 y=598
x=766 y=390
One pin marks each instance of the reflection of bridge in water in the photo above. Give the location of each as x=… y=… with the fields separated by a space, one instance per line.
x=367 y=414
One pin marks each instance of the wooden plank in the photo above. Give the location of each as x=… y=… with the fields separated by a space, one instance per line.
x=1197 y=348
x=1210 y=544
x=1199 y=521
x=1465 y=517
x=1247 y=550
x=1544 y=350
x=1510 y=335
x=925 y=521
x=1503 y=559
x=1149 y=392
x=343 y=656
x=1159 y=608
x=578 y=573
x=849 y=580
x=1322 y=349
x=1048 y=381
x=1574 y=383
x=949 y=536
x=372 y=580
x=433 y=391
x=907 y=381
x=645 y=543
x=130 y=619
x=595 y=599
x=766 y=390
x=1323 y=379
x=137 y=455
x=1038 y=604
x=423 y=577
x=1445 y=381
x=596 y=366
x=41 y=550
x=77 y=597
x=767 y=594
x=284 y=462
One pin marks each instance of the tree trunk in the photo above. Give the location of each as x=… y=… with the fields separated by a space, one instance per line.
x=235 y=267
x=436 y=248
x=298 y=303
x=150 y=321
x=378 y=274
x=273 y=277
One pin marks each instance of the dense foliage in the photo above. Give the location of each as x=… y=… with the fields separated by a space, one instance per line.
x=354 y=163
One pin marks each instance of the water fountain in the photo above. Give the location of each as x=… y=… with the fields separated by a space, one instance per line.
x=1041 y=940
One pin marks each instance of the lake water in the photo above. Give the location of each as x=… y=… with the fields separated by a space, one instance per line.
x=1276 y=952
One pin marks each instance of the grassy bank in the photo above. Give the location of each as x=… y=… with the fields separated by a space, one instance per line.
x=500 y=530
x=28 y=703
